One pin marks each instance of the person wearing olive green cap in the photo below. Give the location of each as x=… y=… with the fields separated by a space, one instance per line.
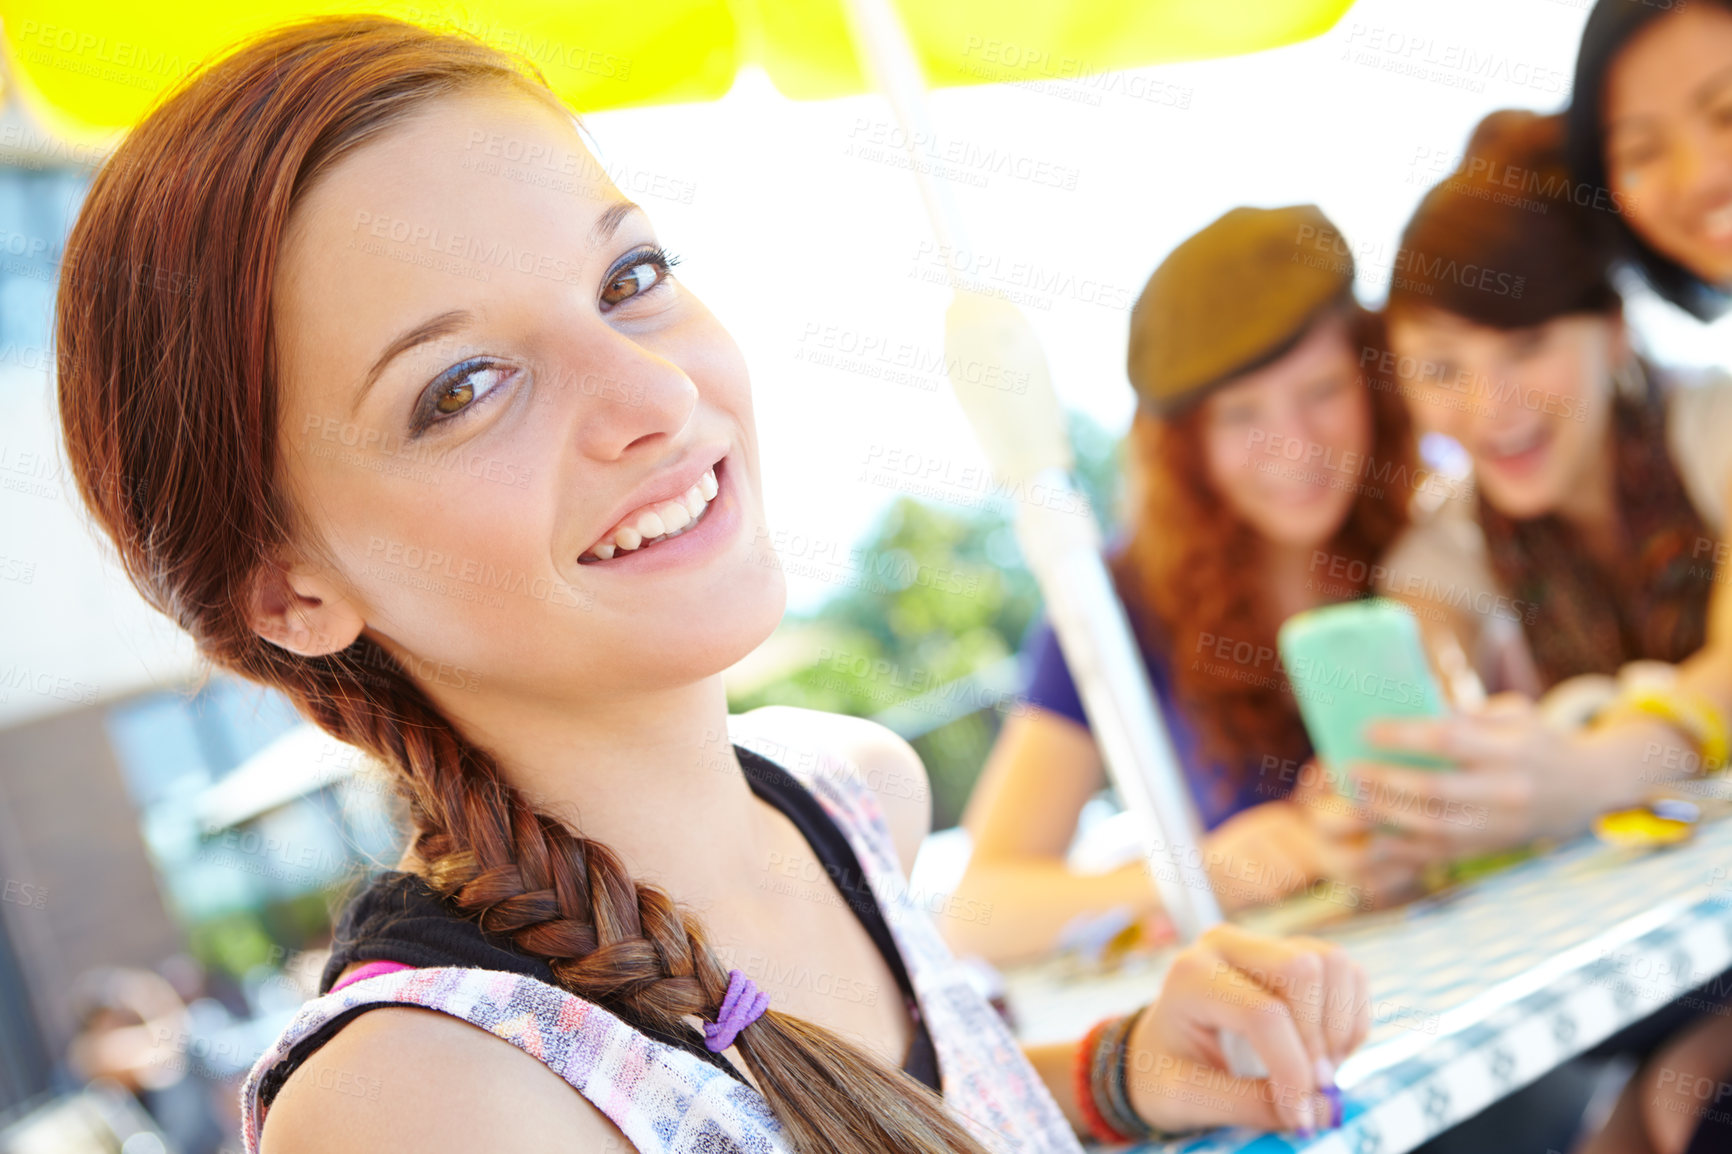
x=1233 y=298
x=1266 y=473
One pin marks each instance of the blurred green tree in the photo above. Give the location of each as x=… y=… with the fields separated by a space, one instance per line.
x=925 y=635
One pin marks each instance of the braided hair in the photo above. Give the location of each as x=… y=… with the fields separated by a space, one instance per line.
x=168 y=403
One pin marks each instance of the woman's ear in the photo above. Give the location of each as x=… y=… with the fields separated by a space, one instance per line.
x=299 y=608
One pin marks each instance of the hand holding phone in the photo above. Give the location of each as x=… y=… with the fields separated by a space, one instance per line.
x=1354 y=663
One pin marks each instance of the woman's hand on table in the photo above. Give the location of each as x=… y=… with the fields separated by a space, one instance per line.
x=1301 y=1003
x=1270 y=851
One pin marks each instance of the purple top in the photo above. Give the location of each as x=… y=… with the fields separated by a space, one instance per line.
x=1048 y=684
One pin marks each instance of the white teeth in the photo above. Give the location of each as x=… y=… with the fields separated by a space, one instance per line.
x=668 y=519
x=675 y=517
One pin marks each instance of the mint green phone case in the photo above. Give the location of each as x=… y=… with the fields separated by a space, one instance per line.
x=1353 y=663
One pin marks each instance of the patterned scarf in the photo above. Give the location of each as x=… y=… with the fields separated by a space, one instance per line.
x=1654 y=606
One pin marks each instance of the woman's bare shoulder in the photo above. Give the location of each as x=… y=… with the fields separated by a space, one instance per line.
x=812 y=743
x=407 y=1079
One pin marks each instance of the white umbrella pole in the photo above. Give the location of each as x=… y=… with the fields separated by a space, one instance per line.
x=1024 y=437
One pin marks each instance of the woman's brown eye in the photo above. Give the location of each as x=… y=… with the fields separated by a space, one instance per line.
x=639 y=278
x=454 y=398
x=456 y=391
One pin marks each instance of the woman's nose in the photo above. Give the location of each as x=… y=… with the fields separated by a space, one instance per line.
x=625 y=393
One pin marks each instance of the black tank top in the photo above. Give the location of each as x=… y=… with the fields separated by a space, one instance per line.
x=398 y=918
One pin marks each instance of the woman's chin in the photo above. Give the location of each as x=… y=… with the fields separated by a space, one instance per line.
x=1305 y=525
x=1519 y=500
x=687 y=643
x=749 y=620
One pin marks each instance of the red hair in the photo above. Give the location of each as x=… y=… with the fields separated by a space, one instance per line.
x=168 y=402
x=1192 y=566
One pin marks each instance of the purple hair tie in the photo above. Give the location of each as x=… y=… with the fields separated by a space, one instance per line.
x=743 y=1005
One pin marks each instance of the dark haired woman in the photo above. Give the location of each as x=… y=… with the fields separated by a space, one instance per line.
x=1589 y=550
x=1585 y=565
x=1651 y=122
x=1269 y=469
x=357 y=471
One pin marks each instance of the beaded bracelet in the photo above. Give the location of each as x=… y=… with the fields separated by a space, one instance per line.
x=1102 y=1095
x=1083 y=1082
x=1691 y=713
x=1121 y=1113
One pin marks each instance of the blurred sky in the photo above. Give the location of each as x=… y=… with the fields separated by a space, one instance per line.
x=801 y=228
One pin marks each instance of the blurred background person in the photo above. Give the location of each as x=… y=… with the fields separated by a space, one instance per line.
x=134 y=1029
x=1651 y=119
x=1250 y=453
x=1588 y=551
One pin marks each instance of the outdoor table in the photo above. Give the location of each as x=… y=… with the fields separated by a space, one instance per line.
x=1475 y=993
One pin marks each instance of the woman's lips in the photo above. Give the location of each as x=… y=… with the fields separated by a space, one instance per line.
x=1516 y=457
x=656 y=522
x=718 y=519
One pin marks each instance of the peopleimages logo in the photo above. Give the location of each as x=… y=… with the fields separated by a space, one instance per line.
x=1469 y=385
x=1025 y=277
x=1321 y=674
x=1455 y=65
x=1412 y=267
x=955 y=158
x=382 y=443
x=481 y=576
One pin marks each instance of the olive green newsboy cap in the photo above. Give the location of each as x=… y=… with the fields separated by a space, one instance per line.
x=1232 y=298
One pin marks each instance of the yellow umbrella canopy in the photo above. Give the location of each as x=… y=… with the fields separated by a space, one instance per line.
x=88 y=68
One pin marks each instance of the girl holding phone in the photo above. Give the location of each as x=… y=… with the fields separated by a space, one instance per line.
x=1269 y=467
x=1590 y=546
x=322 y=341
x=1652 y=118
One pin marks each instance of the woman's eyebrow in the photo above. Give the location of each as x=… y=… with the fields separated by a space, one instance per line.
x=609 y=221
x=429 y=330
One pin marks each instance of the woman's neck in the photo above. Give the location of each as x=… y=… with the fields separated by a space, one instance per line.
x=653 y=777
x=1590 y=505
x=1289 y=580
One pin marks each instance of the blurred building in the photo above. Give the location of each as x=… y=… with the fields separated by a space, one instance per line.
x=113 y=741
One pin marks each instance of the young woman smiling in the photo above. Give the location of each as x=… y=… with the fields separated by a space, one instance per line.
x=1601 y=490
x=1269 y=469
x=1651 y=121
x=331 y=255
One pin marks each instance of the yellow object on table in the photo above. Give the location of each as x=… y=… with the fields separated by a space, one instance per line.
x=1655 y=824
